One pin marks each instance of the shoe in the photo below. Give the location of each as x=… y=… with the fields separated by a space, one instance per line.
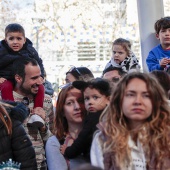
x=36 y=121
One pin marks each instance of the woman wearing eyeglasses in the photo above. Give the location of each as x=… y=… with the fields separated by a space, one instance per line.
x=78 y=73
x=67 y=125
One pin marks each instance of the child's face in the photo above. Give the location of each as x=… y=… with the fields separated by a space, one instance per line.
x=94 y=100
x=15 y=40
x=164 y=37
x=119 y=53
x=137 y=104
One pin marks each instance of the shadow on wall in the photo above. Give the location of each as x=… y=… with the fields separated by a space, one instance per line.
x=146 y=46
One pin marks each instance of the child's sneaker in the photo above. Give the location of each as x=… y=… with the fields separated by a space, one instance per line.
x=36 y=121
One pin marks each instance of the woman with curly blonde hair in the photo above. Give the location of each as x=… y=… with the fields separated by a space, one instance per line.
x=135 y=129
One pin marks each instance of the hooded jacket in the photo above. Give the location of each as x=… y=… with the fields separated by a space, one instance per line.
x=17 y=146
x=8 y=56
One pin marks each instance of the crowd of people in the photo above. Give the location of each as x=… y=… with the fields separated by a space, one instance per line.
x=119 y=121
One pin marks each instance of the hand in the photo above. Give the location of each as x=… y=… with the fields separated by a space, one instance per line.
x=2 y=80
x=63 y=148
x=164 y=62
x=40 y=112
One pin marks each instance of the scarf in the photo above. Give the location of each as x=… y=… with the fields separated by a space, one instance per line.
x=129 y=63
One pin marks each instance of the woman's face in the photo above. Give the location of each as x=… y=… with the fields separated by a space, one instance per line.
x=74 y=107
x=69 y=78
x=119 y=54
x=137 y=105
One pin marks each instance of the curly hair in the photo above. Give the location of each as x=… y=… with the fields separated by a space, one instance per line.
x=155 y=132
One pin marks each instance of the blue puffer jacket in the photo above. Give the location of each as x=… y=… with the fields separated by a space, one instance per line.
x=18 y=146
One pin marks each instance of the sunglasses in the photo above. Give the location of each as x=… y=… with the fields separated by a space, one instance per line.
x=74 y=69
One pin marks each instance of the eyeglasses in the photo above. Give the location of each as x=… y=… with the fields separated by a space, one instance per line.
x=74 y=69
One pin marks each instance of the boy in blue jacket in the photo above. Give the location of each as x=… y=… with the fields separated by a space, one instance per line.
x=159 y=56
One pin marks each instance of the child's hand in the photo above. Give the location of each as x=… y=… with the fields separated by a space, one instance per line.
x=2 y=80
x=40 y=112
x=63 y=148
x=164 y=62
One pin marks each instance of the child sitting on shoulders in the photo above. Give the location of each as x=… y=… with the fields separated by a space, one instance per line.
x=13 y=47
x=122 y=56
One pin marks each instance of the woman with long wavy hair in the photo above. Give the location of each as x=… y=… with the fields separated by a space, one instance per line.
x=135 y=129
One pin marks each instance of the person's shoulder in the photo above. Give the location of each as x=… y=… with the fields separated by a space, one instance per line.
x=15 y=122
x=47 y=101
x=158 y=47
x=29 y=42
x=30 y=47
x=3 y=45
x=17 y=128
x=52 y=139
x=47 y=98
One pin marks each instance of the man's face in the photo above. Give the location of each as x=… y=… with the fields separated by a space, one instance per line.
x=69 y=78
x=110 y=75
x=32 y=80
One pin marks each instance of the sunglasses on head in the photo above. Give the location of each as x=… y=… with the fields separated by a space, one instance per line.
x=74 y=69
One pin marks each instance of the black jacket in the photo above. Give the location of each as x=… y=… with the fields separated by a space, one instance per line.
x=18 y=146
x=83 y=143
x=8 y=56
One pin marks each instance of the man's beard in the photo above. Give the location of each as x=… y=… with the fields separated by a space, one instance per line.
x=26 y=91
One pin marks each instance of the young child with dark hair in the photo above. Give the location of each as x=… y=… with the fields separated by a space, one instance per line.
x=159 y=57
x=14 y=46
x=96 y=97
x=122 y=56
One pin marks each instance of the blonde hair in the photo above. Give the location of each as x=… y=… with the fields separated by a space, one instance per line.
x=154 y=133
